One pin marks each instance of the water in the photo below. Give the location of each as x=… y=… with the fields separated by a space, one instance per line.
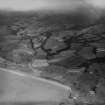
x=19 y=87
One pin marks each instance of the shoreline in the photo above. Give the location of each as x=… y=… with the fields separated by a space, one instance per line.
x=19 y=73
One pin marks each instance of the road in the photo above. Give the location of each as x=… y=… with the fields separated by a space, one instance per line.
x=20 y=87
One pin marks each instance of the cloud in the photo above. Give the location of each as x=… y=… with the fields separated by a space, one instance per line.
x=39 y=4
x=97 y=3
x=24 y=5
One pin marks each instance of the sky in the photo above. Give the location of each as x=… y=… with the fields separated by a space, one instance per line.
x=24 y=5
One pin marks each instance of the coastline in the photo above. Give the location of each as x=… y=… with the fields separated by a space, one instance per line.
x=19 y=73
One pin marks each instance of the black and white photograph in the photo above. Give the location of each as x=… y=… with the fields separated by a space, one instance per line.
x=52 y=52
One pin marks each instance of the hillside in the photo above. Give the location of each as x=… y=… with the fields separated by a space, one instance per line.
x=72 y=47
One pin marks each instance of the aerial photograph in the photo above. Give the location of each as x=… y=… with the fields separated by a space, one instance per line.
x=52 y=52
